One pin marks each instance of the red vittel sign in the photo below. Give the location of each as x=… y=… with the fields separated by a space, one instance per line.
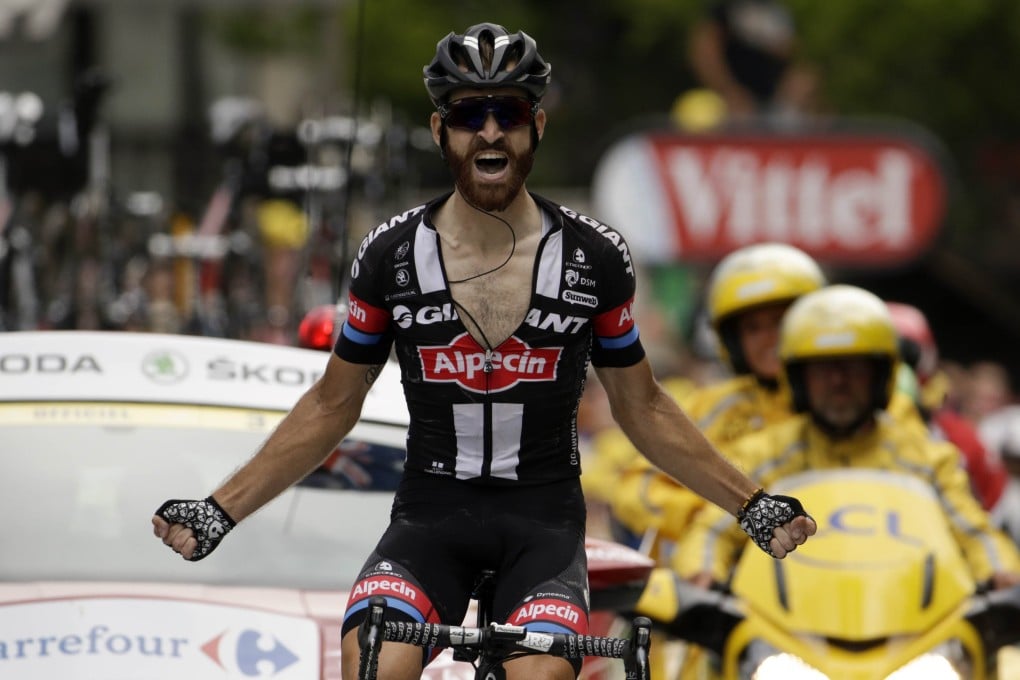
x=851 y=199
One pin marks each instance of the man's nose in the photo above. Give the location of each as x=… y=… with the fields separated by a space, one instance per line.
x=838 y=372
x=491 y=129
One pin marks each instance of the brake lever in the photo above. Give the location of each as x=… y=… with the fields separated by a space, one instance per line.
x=635 y=661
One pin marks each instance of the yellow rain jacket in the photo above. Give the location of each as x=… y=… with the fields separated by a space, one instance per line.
x=610 y=454
x=715 y=540
x=644 y=498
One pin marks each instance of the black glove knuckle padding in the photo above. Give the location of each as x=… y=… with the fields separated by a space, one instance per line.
x=764 y=513
x=206 y=519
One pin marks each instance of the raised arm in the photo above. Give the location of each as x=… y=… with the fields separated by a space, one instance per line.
x=664 y=434
x=321 y=418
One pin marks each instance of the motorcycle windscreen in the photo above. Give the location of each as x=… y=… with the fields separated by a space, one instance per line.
x=882 y=563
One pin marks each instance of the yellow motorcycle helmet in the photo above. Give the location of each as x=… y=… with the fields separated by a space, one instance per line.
x=756 y=276
x=834 y=322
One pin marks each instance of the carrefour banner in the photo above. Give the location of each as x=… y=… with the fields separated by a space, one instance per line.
x=131 y=638
x=851 y=198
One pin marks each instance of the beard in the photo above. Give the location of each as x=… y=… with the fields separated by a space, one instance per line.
x=489 y=197
x=842 y=420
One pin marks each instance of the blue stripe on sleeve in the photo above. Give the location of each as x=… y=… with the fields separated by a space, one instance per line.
x=628 y=338
x=392 y=603
x=357 y=336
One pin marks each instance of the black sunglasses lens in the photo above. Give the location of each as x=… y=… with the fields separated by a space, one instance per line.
x=470 y=113
x=467 y=114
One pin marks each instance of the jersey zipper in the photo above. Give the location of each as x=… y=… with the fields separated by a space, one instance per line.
x=487 y=417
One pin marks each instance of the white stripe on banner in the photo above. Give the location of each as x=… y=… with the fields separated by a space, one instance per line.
x=426 y=260
x=467 y=423
x=507 y=422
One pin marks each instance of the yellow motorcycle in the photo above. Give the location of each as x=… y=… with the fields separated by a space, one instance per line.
x=881 y=592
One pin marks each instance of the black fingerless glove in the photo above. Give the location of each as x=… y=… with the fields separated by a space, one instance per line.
x=206 y=519
x=762 y=513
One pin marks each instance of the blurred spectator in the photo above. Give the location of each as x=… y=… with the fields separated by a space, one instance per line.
x=161 y=311
x=919 y=353
x=1000 y=432
x=745 y=50
x=986 y=389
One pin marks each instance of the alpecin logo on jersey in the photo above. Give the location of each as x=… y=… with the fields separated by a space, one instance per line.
x=463 y=362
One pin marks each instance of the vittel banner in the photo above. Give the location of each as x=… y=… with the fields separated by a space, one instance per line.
x=857 y=199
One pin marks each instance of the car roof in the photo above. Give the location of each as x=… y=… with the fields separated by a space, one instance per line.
x=153 y=368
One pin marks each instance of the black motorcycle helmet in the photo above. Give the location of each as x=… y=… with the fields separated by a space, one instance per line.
x=458 y=63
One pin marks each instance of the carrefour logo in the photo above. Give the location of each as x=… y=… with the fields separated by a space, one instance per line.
x=249 y=653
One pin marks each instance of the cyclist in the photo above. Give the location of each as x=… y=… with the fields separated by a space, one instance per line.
x=494 y=300
x=748 y=292
x=839 y=351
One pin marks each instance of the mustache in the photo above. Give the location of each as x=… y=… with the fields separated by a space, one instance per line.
x=478 y=145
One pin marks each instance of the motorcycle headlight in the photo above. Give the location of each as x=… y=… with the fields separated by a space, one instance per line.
x=762 y=661
x=948 y=661
x=786 y=667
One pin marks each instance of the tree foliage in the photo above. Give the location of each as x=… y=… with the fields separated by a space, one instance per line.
x=622 y=63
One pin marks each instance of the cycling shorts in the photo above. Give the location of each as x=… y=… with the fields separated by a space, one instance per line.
x=445 y=532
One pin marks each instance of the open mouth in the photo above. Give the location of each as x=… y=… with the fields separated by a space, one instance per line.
x=491 y=163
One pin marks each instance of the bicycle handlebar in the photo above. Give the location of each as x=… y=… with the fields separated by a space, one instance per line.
x=502 y=640
x=567 y=645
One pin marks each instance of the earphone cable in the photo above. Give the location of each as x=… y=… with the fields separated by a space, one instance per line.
x=513 y=248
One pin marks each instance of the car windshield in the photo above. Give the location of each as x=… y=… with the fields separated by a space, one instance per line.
x=80 y=482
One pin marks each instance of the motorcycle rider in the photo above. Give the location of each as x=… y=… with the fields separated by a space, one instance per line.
x=748 y=292
x=839 y=351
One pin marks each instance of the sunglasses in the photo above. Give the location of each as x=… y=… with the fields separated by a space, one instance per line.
x=470 y=113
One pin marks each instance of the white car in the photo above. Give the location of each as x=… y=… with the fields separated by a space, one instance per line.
x=98 y=429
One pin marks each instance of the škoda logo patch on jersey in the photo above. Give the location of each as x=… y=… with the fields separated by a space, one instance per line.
x=464 y=362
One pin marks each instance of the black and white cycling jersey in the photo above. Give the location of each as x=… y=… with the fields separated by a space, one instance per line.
x=507 y=415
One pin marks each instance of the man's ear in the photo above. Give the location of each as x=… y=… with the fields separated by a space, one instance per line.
x=438 y=134
x=540 y=123
x=436 y=123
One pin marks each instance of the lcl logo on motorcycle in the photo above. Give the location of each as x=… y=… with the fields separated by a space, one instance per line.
x=869 y=520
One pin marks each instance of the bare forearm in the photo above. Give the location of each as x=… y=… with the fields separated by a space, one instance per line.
x=664 y=434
